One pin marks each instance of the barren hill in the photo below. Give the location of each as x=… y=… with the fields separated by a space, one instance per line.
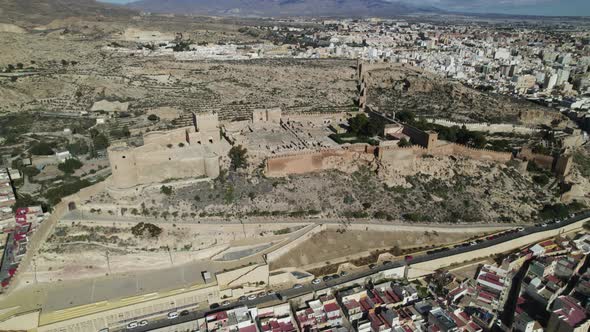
x=34 y=12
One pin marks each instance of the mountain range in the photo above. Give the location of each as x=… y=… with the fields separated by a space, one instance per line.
x=352 y=8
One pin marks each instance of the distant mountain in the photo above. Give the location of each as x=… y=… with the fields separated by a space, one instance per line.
x=45 y=11
x=352 y=8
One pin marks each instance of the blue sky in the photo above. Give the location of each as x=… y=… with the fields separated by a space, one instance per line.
x=526 y=7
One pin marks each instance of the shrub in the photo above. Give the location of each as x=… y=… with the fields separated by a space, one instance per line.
x=166 y=190
x=41 y=149
x=69 y=166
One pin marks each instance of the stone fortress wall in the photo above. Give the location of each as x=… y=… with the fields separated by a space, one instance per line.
x=388 y=153
x=180 y=153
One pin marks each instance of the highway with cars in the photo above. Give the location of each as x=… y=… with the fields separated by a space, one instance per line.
x=335 y=280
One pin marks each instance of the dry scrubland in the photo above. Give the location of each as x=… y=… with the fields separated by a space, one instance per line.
x=451 y=190
x=332 y=244
x=429 y=95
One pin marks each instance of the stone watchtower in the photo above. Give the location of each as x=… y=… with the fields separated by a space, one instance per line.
x=207 y=125
x=123 y=165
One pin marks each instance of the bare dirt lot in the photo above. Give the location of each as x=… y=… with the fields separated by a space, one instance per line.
x=331 y=244
x=78 y=250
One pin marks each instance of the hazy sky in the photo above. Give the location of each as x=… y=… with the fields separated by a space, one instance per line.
x=530 y=7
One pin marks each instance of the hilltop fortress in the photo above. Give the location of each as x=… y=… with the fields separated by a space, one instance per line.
x=293 y=143
x=188 y=152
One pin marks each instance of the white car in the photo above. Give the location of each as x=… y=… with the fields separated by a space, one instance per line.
x=543 y=225
x=270 y=293
x=296 y=286
x=520 y=229
x=143 y=323
x=225 y=303
x=172 y=315
x=252 y=297
x=316 y=281
x=132 y=325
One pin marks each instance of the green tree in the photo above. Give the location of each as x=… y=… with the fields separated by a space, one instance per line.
x=357 y=123
x=404 y=142
x=100 y=142
x=69 y=166
x=239 y=157
x=166 y=190
x=78 y=148
x=41 y=149
x=405 y=116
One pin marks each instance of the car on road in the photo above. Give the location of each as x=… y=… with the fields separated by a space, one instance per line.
x=242 y=298
x=225 y=303
x=544 y=225
x=520 y=229
x=408 y=257
x=262 y=294
x=343 y=273
x=184 y=313
x=106 y=329
x=335 y=276
x=372 y=266
x=252 y=297
x=132 y=325
x=316 y=281
x=327 y=278
x=143 y=323
x=271 y=293
x=173 y=315
x=214 y=306
x=296 y=286
x=386 y=262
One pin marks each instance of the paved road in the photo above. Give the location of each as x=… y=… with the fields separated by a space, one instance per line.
x=285 y=294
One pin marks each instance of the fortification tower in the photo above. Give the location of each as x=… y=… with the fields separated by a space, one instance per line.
x=208 y=126
x=122 y=160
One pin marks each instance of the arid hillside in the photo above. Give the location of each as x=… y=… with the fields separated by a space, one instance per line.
x=36 y=12
x=408 y=89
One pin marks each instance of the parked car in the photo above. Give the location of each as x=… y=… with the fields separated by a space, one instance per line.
x=252 y=297
x=214 y=306
x=262 y=294
x=242 y=298
x=408 y=257
x=143 y=323
x=225 y=303
x=172 y=315
x=343 y=273
x=372 y=266
x=296 y=286
x=184 y=313
x=543 y=225
x=386 y=262
x=335 y=276
x=326 y=278
x=316 y=281
x=271 y=293
x=132 y=325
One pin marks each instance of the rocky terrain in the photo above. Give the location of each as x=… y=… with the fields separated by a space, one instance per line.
x=451 y=190
x=425 y=94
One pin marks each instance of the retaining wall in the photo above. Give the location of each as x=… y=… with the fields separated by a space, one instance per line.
x=46 y=228
x=421 y=269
